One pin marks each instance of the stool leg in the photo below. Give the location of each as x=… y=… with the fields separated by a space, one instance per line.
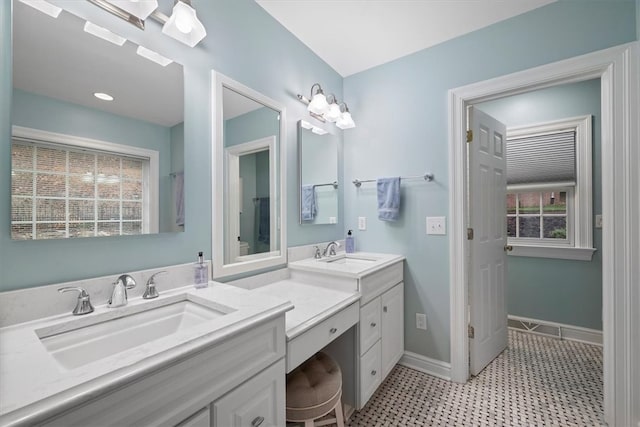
x=339 y=414
x=308 y=423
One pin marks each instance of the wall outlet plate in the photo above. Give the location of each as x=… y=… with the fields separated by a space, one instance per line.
x=362 y=223
x=436 y=225
x=598 y=221
x=333 y=220
x=421 y=321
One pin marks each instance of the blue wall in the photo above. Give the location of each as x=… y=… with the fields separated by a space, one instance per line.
x=561 y=291
x=401 y=111
x=244 y=43
x=43 y=113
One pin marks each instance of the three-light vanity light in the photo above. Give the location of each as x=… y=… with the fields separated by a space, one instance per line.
x=328 y=108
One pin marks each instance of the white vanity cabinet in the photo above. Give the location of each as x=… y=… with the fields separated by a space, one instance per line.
x=238 y=381
x=381 y=328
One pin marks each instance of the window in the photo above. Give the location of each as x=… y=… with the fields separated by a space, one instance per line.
x=549 y=201
x=69 y=190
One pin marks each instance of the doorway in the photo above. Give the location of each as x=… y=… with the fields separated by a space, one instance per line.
x=614 y=69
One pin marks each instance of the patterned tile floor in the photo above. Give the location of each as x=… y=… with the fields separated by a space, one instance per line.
x=537 y=381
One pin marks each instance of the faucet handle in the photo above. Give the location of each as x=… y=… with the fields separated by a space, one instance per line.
x=83 y=305
x=150 y=292
x=317 y=254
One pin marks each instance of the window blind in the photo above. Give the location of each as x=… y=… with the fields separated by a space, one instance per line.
x=542 y=158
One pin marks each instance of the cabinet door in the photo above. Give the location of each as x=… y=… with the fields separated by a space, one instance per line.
x=392 y=303
x=260 y=401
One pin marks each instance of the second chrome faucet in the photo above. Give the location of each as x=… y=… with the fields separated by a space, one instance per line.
x=119 y=293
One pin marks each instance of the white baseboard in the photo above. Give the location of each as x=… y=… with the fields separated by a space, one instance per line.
x=558 y=330
x=425 y=364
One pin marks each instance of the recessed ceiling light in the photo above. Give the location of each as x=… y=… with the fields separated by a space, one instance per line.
x=153 y=56
x=44 y=7
x=104 y=34
x=103 y=96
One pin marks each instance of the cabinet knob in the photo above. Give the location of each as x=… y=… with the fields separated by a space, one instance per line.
x=373 y=324
x=374 y=372
x=333 y=330
x=257 y=421
x=384 y=308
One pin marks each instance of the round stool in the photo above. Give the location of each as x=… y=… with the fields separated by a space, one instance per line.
x=314 y=389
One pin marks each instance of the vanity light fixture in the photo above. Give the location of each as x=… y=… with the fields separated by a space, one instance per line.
x=103 y=96
x=153 y=56
x=44 y=7
x=327 y=108
x=103 y=33
x=183 y=25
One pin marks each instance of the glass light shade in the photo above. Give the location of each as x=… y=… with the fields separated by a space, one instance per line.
x=153 y=56
x=138 y=8
x=184 y=26
x=333 y=113
x=44 y=7
x=103 y=33
x=345 y=121
x=318 y=104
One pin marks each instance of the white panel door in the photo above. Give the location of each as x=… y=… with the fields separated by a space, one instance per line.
x=392 y=334
x=487 y=217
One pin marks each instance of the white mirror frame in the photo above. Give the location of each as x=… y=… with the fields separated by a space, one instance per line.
x=253 y=262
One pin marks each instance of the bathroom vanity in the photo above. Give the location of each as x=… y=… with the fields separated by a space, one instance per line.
x=192 y=357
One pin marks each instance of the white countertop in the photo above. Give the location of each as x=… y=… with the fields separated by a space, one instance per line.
x=33 y=382
x=312 y=303
x=355 y=270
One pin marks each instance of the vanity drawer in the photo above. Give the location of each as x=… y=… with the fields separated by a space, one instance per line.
x=308 y=343
x=369 y=325
x=370 y=373
x=376 y=283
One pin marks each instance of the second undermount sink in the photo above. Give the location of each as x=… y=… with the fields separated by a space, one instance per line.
x=75 y=347
x=349 y=259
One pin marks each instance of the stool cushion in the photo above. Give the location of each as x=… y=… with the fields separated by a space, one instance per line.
x=313 y=388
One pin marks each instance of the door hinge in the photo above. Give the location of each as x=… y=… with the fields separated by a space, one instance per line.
x=471 y=332
x=469 y=135
x=469 y=233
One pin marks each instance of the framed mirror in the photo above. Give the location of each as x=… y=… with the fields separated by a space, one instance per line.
x=249 y=225
x=317 y=174
x=98 y=140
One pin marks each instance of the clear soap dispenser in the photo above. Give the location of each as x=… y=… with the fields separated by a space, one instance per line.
x=349 y=243
x=201 y=273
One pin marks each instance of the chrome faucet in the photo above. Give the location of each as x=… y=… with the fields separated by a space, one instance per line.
x=150 y=292
x=119 y=294
x=330 y=250
x=83 y=305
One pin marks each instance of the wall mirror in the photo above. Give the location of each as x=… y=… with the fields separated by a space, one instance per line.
x=317 y=174
x=249 y=228
x=98 y=141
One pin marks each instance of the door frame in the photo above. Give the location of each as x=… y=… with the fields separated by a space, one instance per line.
x=617 y=69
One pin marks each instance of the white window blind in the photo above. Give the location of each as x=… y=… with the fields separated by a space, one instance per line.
x=549 y=157
x=61 y=191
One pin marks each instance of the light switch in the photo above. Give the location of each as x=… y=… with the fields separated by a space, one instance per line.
x=362 y=223
x=436 y=225
x=598 y=221
x=332 y=220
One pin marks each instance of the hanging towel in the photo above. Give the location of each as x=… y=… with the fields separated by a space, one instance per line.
x=178 y=186
x=264 y=223
x=388 y=198
x=309 y=200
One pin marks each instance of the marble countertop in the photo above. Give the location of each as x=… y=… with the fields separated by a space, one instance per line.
x=312 y=303
x=34 y=384
x=355 y=270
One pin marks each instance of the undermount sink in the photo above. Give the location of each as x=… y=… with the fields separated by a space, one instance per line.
x=349 y=259
x=78 y=346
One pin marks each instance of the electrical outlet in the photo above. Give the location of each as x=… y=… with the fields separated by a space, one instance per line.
x=598 y=221
x=436 y=225
x=362 y=223
x=421 y=321
x=332 y=220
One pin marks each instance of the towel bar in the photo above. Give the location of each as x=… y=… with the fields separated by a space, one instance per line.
x=427 y=177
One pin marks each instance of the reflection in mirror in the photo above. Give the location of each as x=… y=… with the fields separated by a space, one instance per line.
x=318 y=174
x=97 y=146
x=248 y=211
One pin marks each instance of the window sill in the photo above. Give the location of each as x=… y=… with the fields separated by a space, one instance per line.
x=555 y=252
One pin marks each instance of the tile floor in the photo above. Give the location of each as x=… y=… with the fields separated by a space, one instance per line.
x=537 y=381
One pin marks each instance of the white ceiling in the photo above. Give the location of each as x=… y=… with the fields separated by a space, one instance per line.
x=57 y=59
x=355 y=35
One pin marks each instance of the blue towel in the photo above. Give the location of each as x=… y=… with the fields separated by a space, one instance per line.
x=388 y=199
x=308 y=202
x=179 y=195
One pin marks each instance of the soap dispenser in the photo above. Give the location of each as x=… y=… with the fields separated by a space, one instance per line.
x=349 y=243
x=201 y=276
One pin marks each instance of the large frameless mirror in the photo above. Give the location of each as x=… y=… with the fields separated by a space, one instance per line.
x=249 y=227
x=317 y=174
x=98 y=141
